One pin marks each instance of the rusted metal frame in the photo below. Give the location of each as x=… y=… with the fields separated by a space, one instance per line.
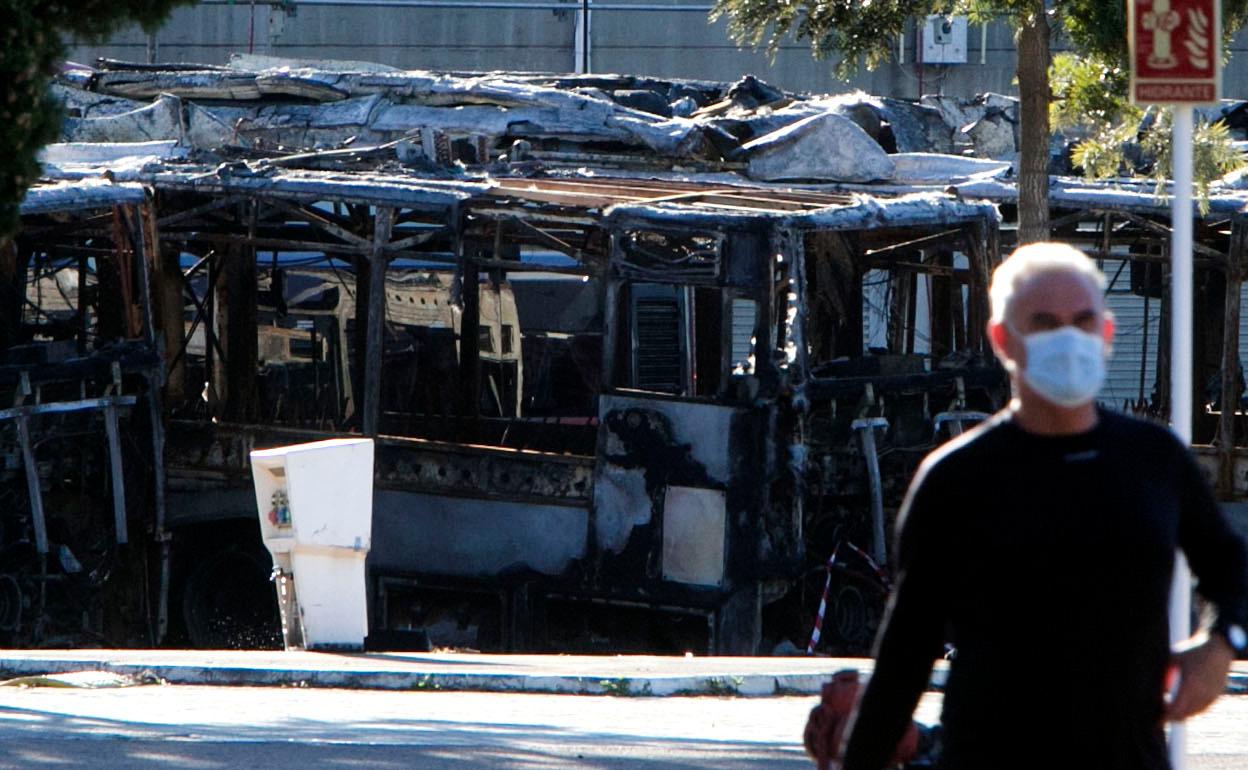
x=67 y=228
x=1117 y=274
x=1156 y=227
x=403 y=244
x=791 y=242
x=647 y=189
x=604 y=197
x=302 y=160
x=236 y=320
x=209 y=310
x=1106 y=232
x=1086 y=215
x=528 y=236
x=976 y=237
x=558 y=159
x=1230 y=357
x=155 y=382
x=186 y=290
x=569 y=217
x=168 y=290
x=206 y=235
x=124 y=270
x=213 y=205
x=728 y=197
x=912 y=311
x=899 y=297
x=319 y=221
x=384 y=221
x=138 y=242
x=156 y=414
x=500 y=227
x=1073 y=217
x=767 y=327
x=202 y=313
x=278 y=244
x=408 y=196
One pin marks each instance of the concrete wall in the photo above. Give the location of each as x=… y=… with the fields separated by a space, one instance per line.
x=671 y=38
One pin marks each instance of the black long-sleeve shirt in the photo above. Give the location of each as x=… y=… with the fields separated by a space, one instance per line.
x=1046 y=562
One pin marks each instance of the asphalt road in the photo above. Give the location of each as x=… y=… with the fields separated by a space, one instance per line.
x=204 y=728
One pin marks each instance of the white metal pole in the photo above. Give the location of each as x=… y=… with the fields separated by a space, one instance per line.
x=1181 y=371
x=582 y=33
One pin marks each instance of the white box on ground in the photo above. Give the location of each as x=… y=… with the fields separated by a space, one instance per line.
x=315 y=503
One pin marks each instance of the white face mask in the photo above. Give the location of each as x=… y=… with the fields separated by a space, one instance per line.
x=1065 y=366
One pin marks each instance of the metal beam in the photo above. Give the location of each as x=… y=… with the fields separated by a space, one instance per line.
x=32 y=485
x=191 y=213
x=319 y=221
x=116 y=473
x=52 y=407
x=376 y=320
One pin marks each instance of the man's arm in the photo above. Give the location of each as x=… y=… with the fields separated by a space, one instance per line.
x=910 y=637
x=1219 y=561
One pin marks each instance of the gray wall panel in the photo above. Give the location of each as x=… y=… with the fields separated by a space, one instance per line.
x=663 y=43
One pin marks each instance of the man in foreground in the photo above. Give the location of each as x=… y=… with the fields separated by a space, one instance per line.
x=1041 y=546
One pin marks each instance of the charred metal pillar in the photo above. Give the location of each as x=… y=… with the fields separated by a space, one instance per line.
x=943 y=287
x=980 y=258
x=611 y=293
x=376 y=320
x=469 y=335
x=834 y=297
x=168 y=279
x=83 y=307
x=237 y=314
x=901 y=312
x=110 y=304
x=163 y=538
x=143 y=254
x=212 y=332
x=1230 y=385
x=12 y=292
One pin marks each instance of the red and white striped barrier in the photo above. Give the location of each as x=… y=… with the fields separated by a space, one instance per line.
x=817 y=631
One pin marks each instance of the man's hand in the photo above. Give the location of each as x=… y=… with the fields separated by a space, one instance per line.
x=1202 y=663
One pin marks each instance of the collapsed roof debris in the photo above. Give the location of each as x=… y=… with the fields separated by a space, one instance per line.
x=263 y=107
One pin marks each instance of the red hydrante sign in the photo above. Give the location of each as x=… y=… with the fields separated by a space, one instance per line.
x=1176 y=51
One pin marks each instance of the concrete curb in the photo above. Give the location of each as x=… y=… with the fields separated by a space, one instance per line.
x=749 y=685
x=623 y=676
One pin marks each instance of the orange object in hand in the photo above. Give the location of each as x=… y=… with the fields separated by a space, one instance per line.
x=825 y=727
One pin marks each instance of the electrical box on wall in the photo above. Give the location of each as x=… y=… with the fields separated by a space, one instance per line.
x=944 y=40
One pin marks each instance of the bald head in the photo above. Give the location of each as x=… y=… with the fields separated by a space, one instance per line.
x=1057 y=263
